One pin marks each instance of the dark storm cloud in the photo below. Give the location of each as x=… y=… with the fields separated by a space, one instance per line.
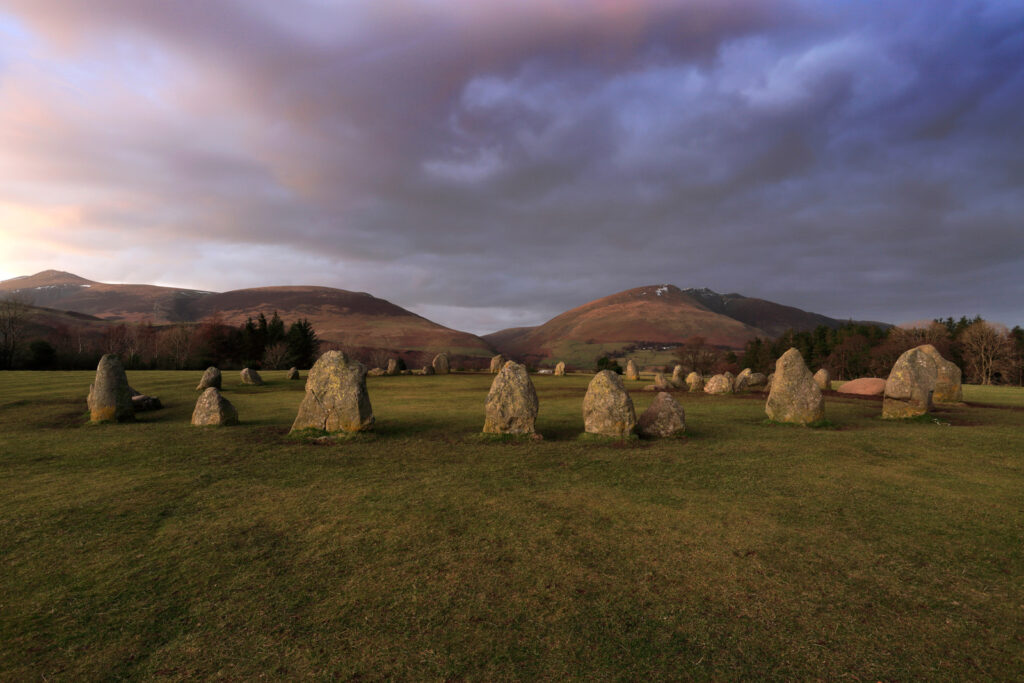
x=496 y=165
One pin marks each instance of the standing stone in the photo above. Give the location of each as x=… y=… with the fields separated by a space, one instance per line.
x=695 y=381
x=632 y=371
x=250 y=376
x=771 y=380
x=377 y=372
x=211 y=378
x=661 y=383
x=741 y=382
x=392 y=368
x=560 y=369
x=293 y=373
x=336 y=398
x=911 y=383
x=607 y=407
x=948 y=388
x=664 y=417
x=823 y=379
x=427 y=370
x=511 y=406
x=719 y=384
x=678 y=378
x=440 y=364
x=110 y=399
x=795 y=396
x=213 y=409
x=497 y=362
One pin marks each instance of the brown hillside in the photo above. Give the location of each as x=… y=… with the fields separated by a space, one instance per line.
x=658 y=314
x=766 y=315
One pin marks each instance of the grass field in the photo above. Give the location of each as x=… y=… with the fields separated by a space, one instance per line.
x=869 y=550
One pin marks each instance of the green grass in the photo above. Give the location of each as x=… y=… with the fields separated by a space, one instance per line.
x=871 y=550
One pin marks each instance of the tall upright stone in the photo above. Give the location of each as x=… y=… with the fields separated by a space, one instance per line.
x=823 y=379
x=632 y=371
x=678 y=376
x=948 y=387
x=336 y=398
x=511 y=406
x=440 y=364
x=559 y=369
x=795 y=396
x=607 y=407
x=695 y=381
x=212 y=409
x=664 y=417
x=392 y=368
x=110 y=398
x=497 y=362
x=910 y=385
x=250 y=376
x=211 y=378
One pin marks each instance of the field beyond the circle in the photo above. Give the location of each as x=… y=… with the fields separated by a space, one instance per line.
x=867 y=549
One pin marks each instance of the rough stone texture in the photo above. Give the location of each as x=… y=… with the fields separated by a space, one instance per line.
x=110 y=398
x=440 y=364
x=695 y=381
x=795 y=396
x=293 y=373
x=948 y=387
x=336 y=398
x=911 y=383
x=664 y=417
x=632 y=371
x=211 y=378
x=607 y=407
x=823 y=379
x=560 y=369
x=429 y=370
x=662 y=383
x=864 y=386
x=741 y=382
x=142 y=403
x=718 y=384
x=250 y=376
x=771 y=380
x=757 y=382
x=497 y=363
x=213 y=409
x=511 y=406
x=678 y=378
x=392 y=368
x=377 y=372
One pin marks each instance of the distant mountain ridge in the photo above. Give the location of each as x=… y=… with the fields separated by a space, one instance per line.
x=355 y=320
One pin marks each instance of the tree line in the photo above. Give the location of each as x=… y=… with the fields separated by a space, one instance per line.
x=265 y=343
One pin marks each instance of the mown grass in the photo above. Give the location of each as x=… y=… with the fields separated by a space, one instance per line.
x=869 y=550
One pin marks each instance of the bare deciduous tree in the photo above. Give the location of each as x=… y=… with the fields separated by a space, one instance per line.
x=275 y=356
x=15 y=315
x=984 y=349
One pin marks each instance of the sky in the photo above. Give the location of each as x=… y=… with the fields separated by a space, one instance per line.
x=492 y=164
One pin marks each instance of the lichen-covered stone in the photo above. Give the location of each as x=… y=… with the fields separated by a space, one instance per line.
x=110 y=398
x=823 y=379
x=293 y=373
x=661 y=382
x=392 y=368
x=795 y=397
x=497 y=363
x=336 y=399
x=678 y=376
x=607 y=407
x=664 y=417
x=511 y=406
x=632 y=371
x=211 y=378
x=377 y=372
x=910 y=385
x=741 y=381
x=250 y=376
x=213 y=409
x=695 y=381
x=560 y=369
x=948 y=387
x=771 y=380
x=440 y=364
x=719 y=384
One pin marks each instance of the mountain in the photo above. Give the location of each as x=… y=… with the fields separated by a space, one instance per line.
x=353 y=320
x=769 y=316
x=653 y=316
